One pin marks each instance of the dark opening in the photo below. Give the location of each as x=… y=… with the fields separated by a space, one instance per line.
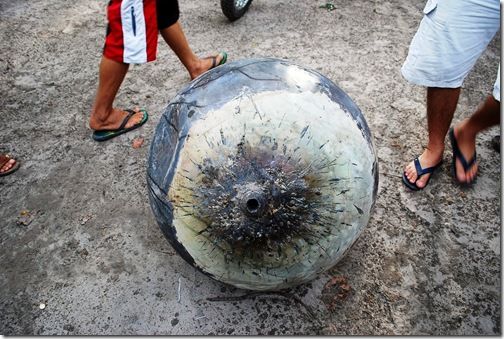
x=252 y=205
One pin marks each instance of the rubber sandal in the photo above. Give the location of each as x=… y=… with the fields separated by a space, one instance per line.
x=4 y=158
x=214 y=60
x=496 y=143
x=109 y=134
x=420 y=172
x=457 y=154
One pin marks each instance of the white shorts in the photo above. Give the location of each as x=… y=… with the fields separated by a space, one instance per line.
x=451 y=37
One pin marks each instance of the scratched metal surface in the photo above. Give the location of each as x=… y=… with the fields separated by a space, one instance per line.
x=287 y=134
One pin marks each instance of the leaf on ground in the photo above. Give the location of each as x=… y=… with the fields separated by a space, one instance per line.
x=137 y=142
x=25 y=217
x=335 y=291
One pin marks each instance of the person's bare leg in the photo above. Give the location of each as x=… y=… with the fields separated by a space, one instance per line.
x=441 y=104
x=485 y=116
x=175 y=38
x=103 y=115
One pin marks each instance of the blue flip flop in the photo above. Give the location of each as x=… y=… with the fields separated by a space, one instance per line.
x=457 y=154
x=420 y=171
x=109 y=134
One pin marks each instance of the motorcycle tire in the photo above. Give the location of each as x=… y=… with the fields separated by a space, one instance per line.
x=234 y=9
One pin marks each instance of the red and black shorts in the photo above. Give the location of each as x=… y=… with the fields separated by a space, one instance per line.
x=133 y=25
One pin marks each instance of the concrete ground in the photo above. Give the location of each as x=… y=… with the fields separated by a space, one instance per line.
x=78 y=236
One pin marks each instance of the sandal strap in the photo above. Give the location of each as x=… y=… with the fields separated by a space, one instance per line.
x=421 y=171
x=126 y=118
x=458 y=154
x=465 y=164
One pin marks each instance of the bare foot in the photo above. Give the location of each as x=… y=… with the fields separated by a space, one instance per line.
x=7 y=163
x=467 y=145
x=114 y=120
x=427 y=159
x=204 y=64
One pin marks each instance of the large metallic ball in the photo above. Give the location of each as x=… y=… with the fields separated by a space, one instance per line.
x=262 y=173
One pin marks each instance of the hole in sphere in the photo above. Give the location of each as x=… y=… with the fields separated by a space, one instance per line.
x=252 y=205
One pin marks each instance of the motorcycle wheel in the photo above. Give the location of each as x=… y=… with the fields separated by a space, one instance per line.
x=234 y=9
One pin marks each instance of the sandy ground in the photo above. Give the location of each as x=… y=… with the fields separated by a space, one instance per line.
x=77 y=233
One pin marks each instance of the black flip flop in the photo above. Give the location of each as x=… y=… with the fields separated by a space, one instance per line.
x=457 y=154
x=420 y=172
x=109 y=134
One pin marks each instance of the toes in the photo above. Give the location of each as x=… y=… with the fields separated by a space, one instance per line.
x=472 y=173
x=410 y=172
x=219 y=58
x=461 y=175
x=135 y=119
x=7 y=166
x=422 y=182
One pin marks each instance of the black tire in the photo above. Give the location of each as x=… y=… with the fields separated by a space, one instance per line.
x=231 y=9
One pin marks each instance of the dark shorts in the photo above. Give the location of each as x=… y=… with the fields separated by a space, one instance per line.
x=167 y=13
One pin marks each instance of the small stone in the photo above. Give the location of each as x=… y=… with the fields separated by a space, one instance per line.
x=42 y=306
x=68 y=328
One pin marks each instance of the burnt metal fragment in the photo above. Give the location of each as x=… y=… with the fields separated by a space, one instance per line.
x=262 y=173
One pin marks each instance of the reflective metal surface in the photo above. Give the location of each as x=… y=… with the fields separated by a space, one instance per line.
x=262 y=173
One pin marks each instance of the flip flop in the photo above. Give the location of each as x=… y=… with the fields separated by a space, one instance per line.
x=4 y=158
x=457 y=154
x=214 y=60
x=496 y=143
x=109 y=134
x=420 y=172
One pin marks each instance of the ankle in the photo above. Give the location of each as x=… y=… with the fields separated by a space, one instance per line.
x=465 y=130
x=193 y=65
x=433 y=152
x=98 y=118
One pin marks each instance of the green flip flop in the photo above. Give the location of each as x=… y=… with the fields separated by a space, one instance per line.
x=222 y=62
x=109 y=134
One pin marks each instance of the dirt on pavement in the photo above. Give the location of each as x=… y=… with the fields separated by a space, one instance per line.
x=81 y=252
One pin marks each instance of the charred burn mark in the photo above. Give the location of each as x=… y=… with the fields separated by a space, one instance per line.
x=343 y=192
x=303 y=132
x=281 y=120
x=223 y=138
x=257 y=202
x=325 y=143
x=255 y=107
x=361 y=212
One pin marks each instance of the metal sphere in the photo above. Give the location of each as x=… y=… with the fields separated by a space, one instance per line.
x=262 y=173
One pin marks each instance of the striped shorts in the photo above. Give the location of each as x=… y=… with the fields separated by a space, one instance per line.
x=133 y=25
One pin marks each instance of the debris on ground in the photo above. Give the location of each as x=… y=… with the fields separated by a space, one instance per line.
x=335 y=291
x=329 y=6
x=137 y=142
x=25 y=217
x=85 y=219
